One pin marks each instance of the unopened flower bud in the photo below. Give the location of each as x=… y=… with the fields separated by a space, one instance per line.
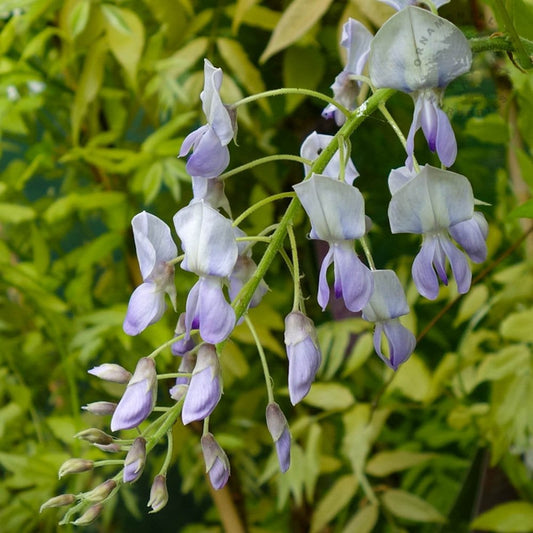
x=184 y=345
x=94 y=436
x=74 y=466
x=135 y=459
x=58 y=501
x=89 y=516
x=111 y=372
x=139 y=398
x=279 y=429
x=158 y=494
x=216 y=461
x=101 y=492
x=303 y=353
x=111 y=448
x=100 y=408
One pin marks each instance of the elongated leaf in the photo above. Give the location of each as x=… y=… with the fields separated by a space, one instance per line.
x=363 y=521
x=385 y=463
x=407 y=505
x=334 y=501
x=15 y=214
x=512 y=517
x=523 y=211
x=329 y=396
x=297 y=19
x=78 y=17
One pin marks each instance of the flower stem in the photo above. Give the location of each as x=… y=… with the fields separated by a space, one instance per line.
x=295 y=270
x=260 y=204
x=263 y=160
x=168 y=456
x=367 y=252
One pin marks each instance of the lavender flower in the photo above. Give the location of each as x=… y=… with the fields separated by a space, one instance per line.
x=336 y=211
x=209 y=143
x=111 y=372
x=303 y=353
x=401 y=4
x=135 y=460
x=205 y=387
x=212 y=192
x=178 y=391
x=184 y=345
x=158 y=494
x=313 y=146
x=210 y=252
x=356 y=39
x=384 y=308
x=420 y=53
x=155 y=248
x=279 y=430
x=139 y=397
x=216 y=461
x=431 y=204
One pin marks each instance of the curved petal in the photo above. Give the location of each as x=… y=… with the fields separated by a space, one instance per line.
x=446 y=144
x=134 y=407
x=192 y=139
x=202 y=397
x=415 y=126
x=356 y=39
x=304 y=362
x=209 y=158
x=388 y=297
x=461 y=270
x=146 y=306
x=471 y=235
x=323 y=287
x=429 y=119
x=401 y=342
x=422 y=270
x=216 y=316
x=398 y=177
x=352 y=279
x=191 y=310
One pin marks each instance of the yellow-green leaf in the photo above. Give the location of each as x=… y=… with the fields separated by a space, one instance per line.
x=295 y=21
x=329 y=396
x=517 y=326
x=78 y=17
x=511 y=517
x=15 y=214
x=407 y=505
x=241 y=8
x=363 y=521
x=385 y=463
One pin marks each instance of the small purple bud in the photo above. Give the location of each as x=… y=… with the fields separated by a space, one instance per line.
x=110 y=448
x=89 y=516
x=135 y=460
x=94 y=436
x=158 y=494
x=58 y=501
x=205 y=388
x=100 y=408
x=111 y=372
x=75 y=466
x=139 y=398
x=303 y=353
x=184 y=345
x=216 y=461
x=101 y=492
x=279 y=429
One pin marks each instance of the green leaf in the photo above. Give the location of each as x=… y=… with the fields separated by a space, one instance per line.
x=517 y=326
x=78 y=17
x=512 y=517
x=471 y=303
x=406 y=505
x=490 y=129
x=116 y=18
x=329 y=396
x=295 y=21
x=416 y=372
x=333 y=502
x=241 y=8
x=257 y=17
x=15 y=214
x=507 y=362
x=523 y=211
x=385 y=463
x=363 y=521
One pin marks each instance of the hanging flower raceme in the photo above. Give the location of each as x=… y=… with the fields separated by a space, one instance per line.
x=303 y=353
x=205 y=388
x=431 y=204
x=313 y=146
x=155 y=249
x=211 y=252
x=138 y=400
x=209 y=143
x=384 y=308
x=337 y=215
x=420 y=53
x=356 y=39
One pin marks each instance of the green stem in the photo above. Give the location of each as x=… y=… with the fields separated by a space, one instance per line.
x=292 y=90
x=174 y=375
x=205 y=429
x=168 y=456
x=368 y=254
x=263 y=160
x=176 y=259
x=262 y=356
x=261 y=203
x=295 y=270
x=255 y=238
x=154 y=354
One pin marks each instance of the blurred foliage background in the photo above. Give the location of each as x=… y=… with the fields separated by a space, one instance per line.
x=95 y=99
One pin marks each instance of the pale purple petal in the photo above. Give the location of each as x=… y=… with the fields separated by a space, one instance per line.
x=218 y=474
x=461 y=270
x=446 y=144
x=398 y=177
x=146 y=306
x=356 y=39
x=279 y=430
x=216 y=461
x=423 y=273
x=429 y=118
x=192 y=139
x=135 y=461
x=323 y=287
x=415 y=126
x=388 y=298
x=471 y=235
x=244 y=269
x=353 y=280
x=134 y=407
x=209 y=158
x=401 y=343
x=216 y=318
x=211 y=190
x=208 y=240
x=283 y=450
x=185 y=344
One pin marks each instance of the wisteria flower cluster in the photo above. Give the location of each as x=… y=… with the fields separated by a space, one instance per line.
x=416 y=52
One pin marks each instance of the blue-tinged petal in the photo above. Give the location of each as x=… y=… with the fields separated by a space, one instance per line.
x=415 y=126
x=461 y=270
x=146 y=306
x=446 y=144
x=398 y=177
x=205 y=389
x=401 y=342
x=323 y=287
x=336 y=209
x=352 y=279
x=135 y=461
x=399 y=4
x=388 y=298
x=439 y=261
x=216 y=461
x=471 y=235
x=279 y=430
x=429 y=118
x=244 y=269
x=192 y=139
x=416 y=49
x=314 y=145
x=215 y=315
x=209 y=158
x=356 y=39
x=211 y=190
x=432 y=201
x=184 y=345
x=422 y=270
x=208 y=240
x=215 y=111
